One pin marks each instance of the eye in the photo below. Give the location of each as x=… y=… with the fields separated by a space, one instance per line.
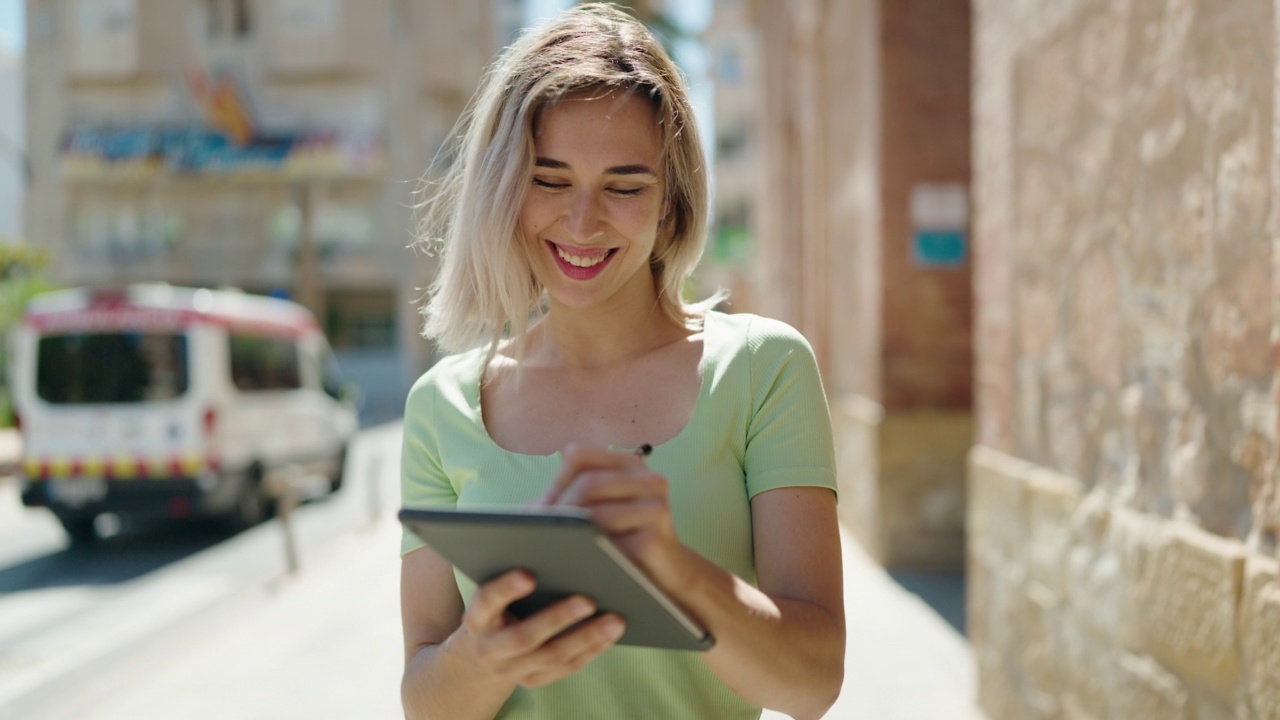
x=549 y=185
x=626 y=192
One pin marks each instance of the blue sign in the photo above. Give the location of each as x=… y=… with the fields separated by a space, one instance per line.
x=939 y=248
x=196 y=149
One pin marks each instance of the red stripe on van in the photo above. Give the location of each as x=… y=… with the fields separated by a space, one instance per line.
x=111 y=318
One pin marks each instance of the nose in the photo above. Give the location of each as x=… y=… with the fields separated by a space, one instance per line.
x=584 y=215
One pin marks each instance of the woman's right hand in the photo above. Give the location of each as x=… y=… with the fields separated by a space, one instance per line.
x=537 y=650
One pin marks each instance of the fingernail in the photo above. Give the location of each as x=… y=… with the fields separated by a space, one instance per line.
x=613 y=627
x=582 y=607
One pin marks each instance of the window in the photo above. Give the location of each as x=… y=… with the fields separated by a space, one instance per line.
x=121 y=233
x=106 y=43
x=226 y=18
x=260 y=363
x=117 y=367
x=241 y=20
x=339 y=227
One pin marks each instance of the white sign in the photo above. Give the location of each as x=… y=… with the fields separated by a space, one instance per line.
x=940 y=206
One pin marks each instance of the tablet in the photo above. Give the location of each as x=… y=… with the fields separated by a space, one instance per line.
x=567 y=554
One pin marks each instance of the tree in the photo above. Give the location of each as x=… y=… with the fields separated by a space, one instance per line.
x=22 y=275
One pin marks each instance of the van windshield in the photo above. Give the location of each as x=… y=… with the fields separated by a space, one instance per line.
x=111 y=367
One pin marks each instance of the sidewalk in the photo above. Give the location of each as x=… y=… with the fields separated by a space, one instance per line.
x=326 y=644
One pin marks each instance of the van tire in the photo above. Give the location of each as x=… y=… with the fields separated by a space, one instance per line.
x=80 y=529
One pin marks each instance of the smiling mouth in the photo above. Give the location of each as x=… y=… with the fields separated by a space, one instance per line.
x=583 y=261
x=579 y=265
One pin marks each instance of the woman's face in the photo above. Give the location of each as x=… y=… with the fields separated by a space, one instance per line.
x=592 y=212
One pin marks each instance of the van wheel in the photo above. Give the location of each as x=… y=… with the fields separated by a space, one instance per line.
x=79 y=529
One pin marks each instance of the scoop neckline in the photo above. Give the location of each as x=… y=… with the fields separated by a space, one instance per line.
x=704 y=362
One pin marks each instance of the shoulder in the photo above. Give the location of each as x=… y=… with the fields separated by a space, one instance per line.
x=447 y=374
x=756 y=334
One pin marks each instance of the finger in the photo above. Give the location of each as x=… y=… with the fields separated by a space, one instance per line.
x=602 y=486
x=490 y=601
x=572 y=651
x=577 y=458
x=523 y=638
x=620 y=518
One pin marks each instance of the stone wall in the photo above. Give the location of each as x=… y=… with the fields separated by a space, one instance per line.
x=1123 y=503
x=1082 y=609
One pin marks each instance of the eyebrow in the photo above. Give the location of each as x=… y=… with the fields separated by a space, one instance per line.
x=545 y=162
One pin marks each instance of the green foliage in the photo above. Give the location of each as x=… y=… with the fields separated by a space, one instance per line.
x=731 y=246
x=22 y=275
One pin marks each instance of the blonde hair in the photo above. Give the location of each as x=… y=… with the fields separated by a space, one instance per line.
x=485 y=287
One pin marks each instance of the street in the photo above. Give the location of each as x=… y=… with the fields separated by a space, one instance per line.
x=77 y=625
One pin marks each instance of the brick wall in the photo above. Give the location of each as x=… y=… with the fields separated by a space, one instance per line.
x=863 y=101
x=925 y=81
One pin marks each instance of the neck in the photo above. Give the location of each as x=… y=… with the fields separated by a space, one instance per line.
x=595 y=337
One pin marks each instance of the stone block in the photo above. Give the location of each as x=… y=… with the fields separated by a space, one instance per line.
x=1145 y=690
x=1073 y=709
x=1187 y=606
x=996 y=520
x=1088 y=673
x=1132 y=538
x=1051 y=500
x=1037 y=631
x=1260 y=637
x=1102 y=569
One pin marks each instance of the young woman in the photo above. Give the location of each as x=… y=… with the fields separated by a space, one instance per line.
x=567 y=228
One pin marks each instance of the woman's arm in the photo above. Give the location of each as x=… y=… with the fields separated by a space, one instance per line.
x=780 y=646
x=439 y=682
x=461 y=665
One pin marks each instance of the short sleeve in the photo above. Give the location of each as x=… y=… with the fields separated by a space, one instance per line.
x=789 y=441
x=423 y=481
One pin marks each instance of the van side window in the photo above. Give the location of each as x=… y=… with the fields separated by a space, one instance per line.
x=259 y=363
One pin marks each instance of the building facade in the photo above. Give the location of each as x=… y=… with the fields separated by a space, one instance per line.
x=862 y=243
x=13 y=154
x=270 y=145
x=732 y=45
x=1119 y=495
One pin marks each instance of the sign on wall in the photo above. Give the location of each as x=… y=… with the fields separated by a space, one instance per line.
x=939 y=214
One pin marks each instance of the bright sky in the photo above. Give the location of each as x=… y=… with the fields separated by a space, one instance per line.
x=693 y=14
x=11 y=32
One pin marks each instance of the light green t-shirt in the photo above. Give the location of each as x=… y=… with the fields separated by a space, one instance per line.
x=761 y=422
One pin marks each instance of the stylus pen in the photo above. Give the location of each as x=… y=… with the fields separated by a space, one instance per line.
x=554 y=493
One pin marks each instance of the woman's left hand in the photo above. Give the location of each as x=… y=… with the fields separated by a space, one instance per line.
x=629 y=501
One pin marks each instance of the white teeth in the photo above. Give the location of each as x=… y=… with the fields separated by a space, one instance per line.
x=583 y=262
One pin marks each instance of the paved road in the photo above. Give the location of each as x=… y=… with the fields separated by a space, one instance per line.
x=324 y=644
x=67 y=615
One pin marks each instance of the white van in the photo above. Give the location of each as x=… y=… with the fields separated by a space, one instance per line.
x=152 y=400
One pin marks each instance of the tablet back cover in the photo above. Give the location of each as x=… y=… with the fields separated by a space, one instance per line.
x=567 y=555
